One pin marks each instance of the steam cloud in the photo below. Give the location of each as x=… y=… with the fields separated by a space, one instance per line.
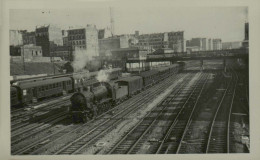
x=103 y=75
x=81 y=58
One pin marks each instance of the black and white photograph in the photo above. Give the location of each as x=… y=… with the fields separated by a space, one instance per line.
x=115 y=79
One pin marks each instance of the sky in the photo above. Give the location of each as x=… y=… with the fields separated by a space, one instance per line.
x=226 y=23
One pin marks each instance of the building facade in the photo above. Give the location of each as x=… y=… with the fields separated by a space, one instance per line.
x=246 y=40
x=16 y=37
x=231 y=45
x=173 y=40
x=29 y=38
x=84 y=39
x=116 y=42
x=104 y=33
x=27 y=52
x=217 y=44
x=64 y=52
x=210 y=44
x=204 y=44
x=195 y=42
x=65 y=37
x=48 y=37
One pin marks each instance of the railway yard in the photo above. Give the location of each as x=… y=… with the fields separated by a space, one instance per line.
x=190 y=111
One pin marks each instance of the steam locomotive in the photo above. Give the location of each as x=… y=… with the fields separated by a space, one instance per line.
x=100 y=97
x=34 y=90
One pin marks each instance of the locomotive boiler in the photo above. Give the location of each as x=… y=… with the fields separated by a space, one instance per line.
x=89 y=103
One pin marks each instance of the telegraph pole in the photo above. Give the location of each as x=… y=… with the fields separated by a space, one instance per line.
x=112 y=27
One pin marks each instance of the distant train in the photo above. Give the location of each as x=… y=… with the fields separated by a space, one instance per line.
x=33 y=90
x=101 y=97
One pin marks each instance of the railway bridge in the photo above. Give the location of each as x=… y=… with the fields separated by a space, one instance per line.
x=239 y=54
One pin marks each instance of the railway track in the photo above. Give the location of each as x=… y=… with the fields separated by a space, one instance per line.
x=93 y=136
x=20 y=114
x=24 y=118
x=218 y=138
x=239 y=119
x=132 y=142
x=31 y=130
x=34 y=147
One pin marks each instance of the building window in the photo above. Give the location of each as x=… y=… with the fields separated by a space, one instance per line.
x=32 y=53
x=36 y=53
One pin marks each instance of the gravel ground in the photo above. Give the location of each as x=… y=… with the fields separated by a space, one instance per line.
x=238 y=132
x=156 y=133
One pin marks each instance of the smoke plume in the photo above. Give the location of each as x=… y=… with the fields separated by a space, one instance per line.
x=103 y=76
x=81 y=58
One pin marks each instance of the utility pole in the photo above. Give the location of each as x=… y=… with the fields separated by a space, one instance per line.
x=112 y=27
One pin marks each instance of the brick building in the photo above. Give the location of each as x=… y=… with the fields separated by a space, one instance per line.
x=84 y=39
x=48 y=37
x=29 y=38
x=64 y=52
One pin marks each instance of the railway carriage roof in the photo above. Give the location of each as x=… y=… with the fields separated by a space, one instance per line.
x=129 y=79
x=44 y=82
x=166 y=67
x=160 y=69
x=148 y=73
